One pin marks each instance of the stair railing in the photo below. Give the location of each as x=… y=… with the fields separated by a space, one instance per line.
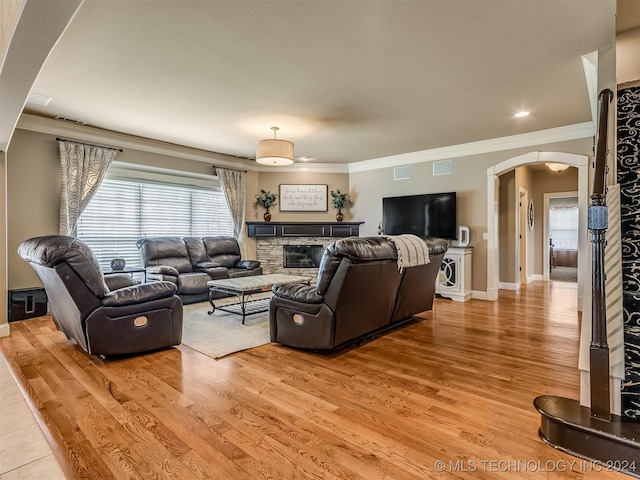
x=597 y=224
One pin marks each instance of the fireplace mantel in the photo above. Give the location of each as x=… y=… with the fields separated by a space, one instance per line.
x=303 y=229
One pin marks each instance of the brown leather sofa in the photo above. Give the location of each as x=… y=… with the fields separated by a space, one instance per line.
x=359 y=291
x=122 y=318
x=191 y=262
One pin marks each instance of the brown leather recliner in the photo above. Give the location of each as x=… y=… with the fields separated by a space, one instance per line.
x=126 y=320
x=359 y=291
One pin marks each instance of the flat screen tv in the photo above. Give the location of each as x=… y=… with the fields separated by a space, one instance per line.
x=429 y=215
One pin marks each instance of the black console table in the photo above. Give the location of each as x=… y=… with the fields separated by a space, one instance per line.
x=303 y=229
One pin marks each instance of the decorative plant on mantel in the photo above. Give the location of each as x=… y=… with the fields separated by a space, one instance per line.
x=339 y=201
x=266 y=200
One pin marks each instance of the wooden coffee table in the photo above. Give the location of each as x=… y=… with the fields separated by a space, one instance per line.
x=244 y=287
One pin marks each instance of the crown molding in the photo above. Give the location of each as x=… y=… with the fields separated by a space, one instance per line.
x=308 y=168
x=88 y=134
x=109 y=138
x=82 y=133
x=541 y=137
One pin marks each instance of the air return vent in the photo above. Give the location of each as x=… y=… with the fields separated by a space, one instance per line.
x=402 y=173
x=70 y=120
x=443 y=167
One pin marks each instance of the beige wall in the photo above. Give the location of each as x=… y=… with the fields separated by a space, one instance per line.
x=271 y=182
x=525 y=181
x=536 y=182
x=469 y=180
x=628 y=56
x=33 y=198
x=507 y=227
x=33 y=193
x=546 y=181
x=3 y=241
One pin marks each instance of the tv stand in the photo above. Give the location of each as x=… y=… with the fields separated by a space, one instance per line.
x=454 y=281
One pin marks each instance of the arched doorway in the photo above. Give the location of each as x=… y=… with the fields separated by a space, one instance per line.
x=581 y=162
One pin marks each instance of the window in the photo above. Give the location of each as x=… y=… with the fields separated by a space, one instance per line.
x=125 y=210
x=563 y=223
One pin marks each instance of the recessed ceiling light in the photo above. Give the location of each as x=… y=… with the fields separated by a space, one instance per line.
x=521 y=114
x=304 y=158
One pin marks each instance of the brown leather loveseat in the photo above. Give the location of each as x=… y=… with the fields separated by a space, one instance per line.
x=360 y=290
x=191 y=262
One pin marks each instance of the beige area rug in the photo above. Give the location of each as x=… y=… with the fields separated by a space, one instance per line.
x=222 y=333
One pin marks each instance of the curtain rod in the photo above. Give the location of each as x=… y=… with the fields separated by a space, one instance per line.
x=58 y=139
x=228 y=168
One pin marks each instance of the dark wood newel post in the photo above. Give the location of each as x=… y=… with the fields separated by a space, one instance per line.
x=594 y=433
x=599 y=349
x=598 y=223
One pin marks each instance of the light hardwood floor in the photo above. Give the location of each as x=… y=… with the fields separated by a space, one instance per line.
x=455 y=387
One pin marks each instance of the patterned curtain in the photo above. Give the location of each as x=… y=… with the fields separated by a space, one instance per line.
x=82 y=167
x=234 y=186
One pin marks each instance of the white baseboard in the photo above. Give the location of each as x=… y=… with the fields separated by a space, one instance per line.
x=508 y=286
x=478 y=295
x=534 y=278
x=4 y=330
x=492 y=294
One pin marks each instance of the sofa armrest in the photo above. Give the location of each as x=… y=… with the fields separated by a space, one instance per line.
x=298 y=292
x=436 y=245
x=247 y=264
x=139 y=294
x=117 y=281
x=163 y=270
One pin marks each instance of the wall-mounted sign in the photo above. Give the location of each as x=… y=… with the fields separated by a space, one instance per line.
x=303 y=198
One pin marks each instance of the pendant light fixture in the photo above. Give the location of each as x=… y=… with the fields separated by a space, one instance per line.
x=274 y=152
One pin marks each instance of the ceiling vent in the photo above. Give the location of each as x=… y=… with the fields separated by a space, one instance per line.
x=70 y=120
x=36 y=99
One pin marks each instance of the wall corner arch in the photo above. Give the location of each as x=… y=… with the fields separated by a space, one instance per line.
x=581 y=162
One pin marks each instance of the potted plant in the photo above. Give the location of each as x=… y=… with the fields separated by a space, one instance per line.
x=339 y=201
x=266 y=200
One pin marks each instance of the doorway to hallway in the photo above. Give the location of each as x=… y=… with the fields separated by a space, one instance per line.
x=563 y=223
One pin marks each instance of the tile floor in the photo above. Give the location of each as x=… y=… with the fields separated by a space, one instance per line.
x=24 y=453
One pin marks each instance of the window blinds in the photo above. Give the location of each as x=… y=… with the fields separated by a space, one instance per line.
x=125 y=210
x=563 y=225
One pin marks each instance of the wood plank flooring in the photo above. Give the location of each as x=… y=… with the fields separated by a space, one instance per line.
x=449 y=396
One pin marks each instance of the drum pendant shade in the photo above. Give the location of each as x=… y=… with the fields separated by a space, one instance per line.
x=274 y=152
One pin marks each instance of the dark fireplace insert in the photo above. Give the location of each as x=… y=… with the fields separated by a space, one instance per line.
x=302 y=256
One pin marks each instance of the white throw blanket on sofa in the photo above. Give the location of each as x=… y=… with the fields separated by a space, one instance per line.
x=412 y=250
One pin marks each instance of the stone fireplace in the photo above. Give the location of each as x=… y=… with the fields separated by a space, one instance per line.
x=305 y=242
x=270 y=253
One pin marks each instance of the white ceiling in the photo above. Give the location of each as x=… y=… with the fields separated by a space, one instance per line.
x=344 y=80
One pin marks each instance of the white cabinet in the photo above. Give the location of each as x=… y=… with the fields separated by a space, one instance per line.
x=454 y=280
